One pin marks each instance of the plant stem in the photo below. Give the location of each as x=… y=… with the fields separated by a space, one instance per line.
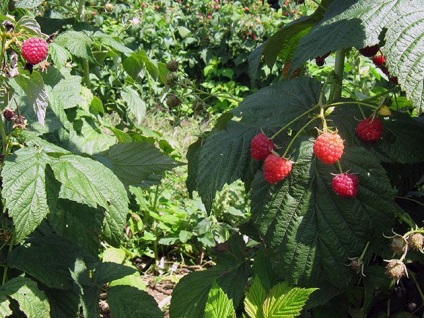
x=81 y=9
x=336 y=91
x=6 y=268
x=297 y=134
x=86 y=69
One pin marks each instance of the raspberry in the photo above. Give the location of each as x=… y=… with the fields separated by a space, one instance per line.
x=276 y=168
x=396 y=269
x=398 y=244
x=8 y=114
x=328 y=147
x=369 y=51
x=34 y=50
x=416 y=241
x=172 y=65
x=345 y=185
x=379 y=60
x=261 y=146
x=173 y=101
x=370 y=129
x=319 y=60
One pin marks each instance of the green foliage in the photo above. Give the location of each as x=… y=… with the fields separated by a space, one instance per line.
x=218 y=304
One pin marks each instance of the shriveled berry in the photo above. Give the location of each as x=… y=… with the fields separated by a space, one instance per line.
x=328 y=147
x=319 y=60
x=34 y=50
x=261 y=146
x=171 y=79
x=173 y=101
x=379 y=60
x=398 y=244
x=416 y=241
x=8 y=114
x=345 y=185
x=370 y=129
x=396 y=269
x=172 y=65
x=369 y=51
x=276 y=168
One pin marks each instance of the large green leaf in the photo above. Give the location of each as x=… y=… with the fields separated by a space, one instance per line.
x=137 y=161
x=135 y=104
x=190 y=295
x=109 y=41
x=218 y=305
x=138 y=62
x=5 y=310
x=77 y=43
x=28 y=4
x=89 y=182
x=31 y=300
x=128 y=301
x=108 y=271
x=255 y=297
x=284 y=301
x=310 y=231
x=361 y=23
x=25 y=190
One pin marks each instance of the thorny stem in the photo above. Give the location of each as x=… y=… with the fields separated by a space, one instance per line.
x=336 y=91
x=297 y=134
x=293 y=121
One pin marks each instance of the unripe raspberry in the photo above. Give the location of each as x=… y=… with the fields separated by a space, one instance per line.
x=260 y=147
x=384 y=111
x=172 y=65
x=396 y=269
x=370 y=129
x=398 y=244
x=345 y=185
x=8 y=114
x=109 y=7
x=276 y=168
x=328 y=147
x=416 y=241
x=34 y=50
x=173 y=101
x=171 y=79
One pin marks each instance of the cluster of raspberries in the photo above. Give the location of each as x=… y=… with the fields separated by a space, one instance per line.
x=328 y=147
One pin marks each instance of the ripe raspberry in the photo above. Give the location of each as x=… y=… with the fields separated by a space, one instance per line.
x=328 y=147
x=34 y=50
x=8 y=114
x=379 y=60
x=276 y=168
x=369 y=51
x=370 y=129
x=345 y=185
x=261 y=146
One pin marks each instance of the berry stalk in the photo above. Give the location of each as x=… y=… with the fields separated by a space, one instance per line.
x=297 y=135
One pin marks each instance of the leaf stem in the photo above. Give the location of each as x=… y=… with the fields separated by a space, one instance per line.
x=294 y=120
x=336 y=91
x=81 y=9
x=6 y=268
x=297 y=134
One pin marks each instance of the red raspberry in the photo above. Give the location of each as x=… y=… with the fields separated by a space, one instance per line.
x=261 y=146
x=8 y=114
x=276 y=168
x=345 y=185
x=369 y=51
x=328 y=147
x=34 y=50
x=379 y=60
x=370 y=129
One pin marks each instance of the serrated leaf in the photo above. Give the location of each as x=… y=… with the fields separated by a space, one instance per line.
x=137 y=161
x=360 y=23
x=31 y=300
x=28 y=25
x=110 y=42
x=137 y=62
x=218 y=305
x=311 y=231
x=77 y=43
x=232 y=268
x=28 y=4
x=113 y=254
x=59 y=55
x=25 y=191
x=285 y=302
x=91 y=183
x=127 y=301
x=5 y=310
x=67 y=92
x=254 y=299
x=108 y=271
x=135 y=104
x=34 y=88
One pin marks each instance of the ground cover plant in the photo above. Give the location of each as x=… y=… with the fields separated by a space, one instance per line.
x=318 y=123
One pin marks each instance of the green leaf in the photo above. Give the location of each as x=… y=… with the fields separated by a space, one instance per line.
x=25 y=190
x=5 y=310
x=31 y=300
x=255 y=297
x=127 y=301
x=218 y=305
x=35 y=91
x=77 y=43
x=28 y=4
x=137 y=161
x=361 y=23
x=108 y=271
x=190 y=295
x=89 y=182
x=135 y=104
x=309 y=230
x=109 y=41
x=28 y=25
x=137 y=62
x=66 y=93
x=59 y=55
x=285 y=302
x=113 y=254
